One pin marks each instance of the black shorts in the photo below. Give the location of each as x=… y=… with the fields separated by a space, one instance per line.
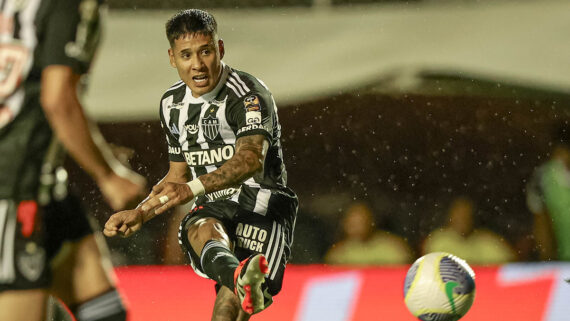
x=251 y=233
x=31 y=235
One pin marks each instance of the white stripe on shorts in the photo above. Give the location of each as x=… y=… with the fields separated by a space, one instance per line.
x=281 y=249
x=274 y=259
x=262 y=201
x=7 y=235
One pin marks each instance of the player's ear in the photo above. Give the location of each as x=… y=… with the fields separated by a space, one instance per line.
x=171 y=57
x=221 y=48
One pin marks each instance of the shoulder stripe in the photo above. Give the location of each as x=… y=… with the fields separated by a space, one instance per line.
x=242 y=92
x=241 y=81
x=176 y=85
x=233 y=88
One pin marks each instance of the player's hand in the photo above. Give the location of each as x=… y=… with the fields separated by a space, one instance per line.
x=124 y=223
x=124 y=190
x=166 y=195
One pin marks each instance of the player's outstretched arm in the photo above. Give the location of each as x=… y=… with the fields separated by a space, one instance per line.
x=60 y=103
x=247 y=161
x=125 y=223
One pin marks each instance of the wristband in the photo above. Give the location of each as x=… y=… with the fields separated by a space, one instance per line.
x=196 y=187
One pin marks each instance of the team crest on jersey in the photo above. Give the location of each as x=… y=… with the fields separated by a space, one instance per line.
x=210 y=123
x=31 y=261
x=251 y=103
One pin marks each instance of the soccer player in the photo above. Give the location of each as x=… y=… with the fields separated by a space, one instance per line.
x=223 y=138
x=45 y=47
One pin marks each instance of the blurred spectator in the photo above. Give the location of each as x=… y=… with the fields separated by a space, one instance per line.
x=312 y=239
x=460 y=238
x=548 y=198
x=363 y=244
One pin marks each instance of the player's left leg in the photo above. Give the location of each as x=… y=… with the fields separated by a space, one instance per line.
x=227 y=307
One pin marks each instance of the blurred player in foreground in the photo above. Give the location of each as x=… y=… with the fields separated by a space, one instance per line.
x=45 y=46
x=224 y=146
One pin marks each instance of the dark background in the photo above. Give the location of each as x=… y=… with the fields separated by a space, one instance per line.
x=408 y=155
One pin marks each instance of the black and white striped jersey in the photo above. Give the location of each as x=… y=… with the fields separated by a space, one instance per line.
x=203 y=131
x=35 y=34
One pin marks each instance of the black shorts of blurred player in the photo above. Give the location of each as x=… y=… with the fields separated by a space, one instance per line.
x=52 y=250
x=249 y=233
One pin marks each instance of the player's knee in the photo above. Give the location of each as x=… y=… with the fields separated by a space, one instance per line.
x=206 y=229
x=105 y=307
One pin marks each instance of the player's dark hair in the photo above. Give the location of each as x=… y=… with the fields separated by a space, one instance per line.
x=190 y=21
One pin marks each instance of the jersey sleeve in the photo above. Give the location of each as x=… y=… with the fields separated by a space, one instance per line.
x=71 y=35
x=254 y=115
x=174 y=148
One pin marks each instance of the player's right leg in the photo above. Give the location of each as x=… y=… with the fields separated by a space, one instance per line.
x=82 y=271
x=83 y=283
x=202 y=231
x=23 y=305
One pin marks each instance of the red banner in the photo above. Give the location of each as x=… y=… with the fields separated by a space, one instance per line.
x=518 y=292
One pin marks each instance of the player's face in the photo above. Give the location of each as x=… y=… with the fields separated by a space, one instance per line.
x=197 y=58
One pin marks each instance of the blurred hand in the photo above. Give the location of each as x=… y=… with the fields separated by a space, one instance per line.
x=124 y=223
x=122 y=190
x=166 y=195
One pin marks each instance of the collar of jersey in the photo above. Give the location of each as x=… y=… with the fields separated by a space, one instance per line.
x=208 y=97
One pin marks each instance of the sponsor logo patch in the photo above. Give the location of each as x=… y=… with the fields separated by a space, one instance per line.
x=253 y=117
x=223 y=194
x=250 y=237
x=175 y=106
x=192 y=129
x=174 y=130
x=215 y=156
x=174 y=150
x=251 y=103
x=252 y=127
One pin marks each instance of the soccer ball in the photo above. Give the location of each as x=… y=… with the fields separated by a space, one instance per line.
x=439 y=287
